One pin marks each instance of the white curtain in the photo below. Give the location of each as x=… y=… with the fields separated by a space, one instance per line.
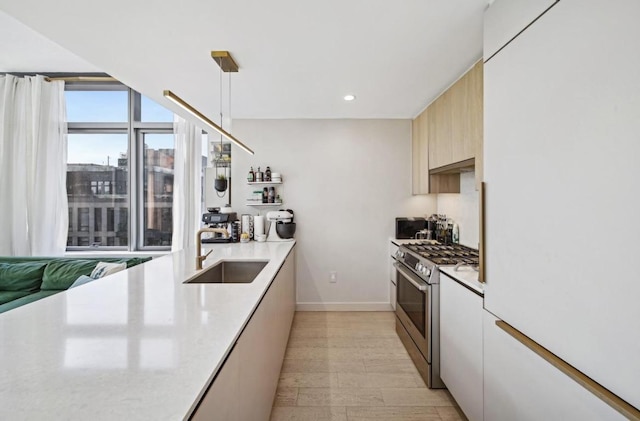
x=33 y=164
x=187 y=190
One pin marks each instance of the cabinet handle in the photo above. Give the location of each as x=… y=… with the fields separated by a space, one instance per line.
x=576 y=375
x=482 y=251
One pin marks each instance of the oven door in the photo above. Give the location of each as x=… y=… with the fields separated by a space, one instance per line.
x=413 y=307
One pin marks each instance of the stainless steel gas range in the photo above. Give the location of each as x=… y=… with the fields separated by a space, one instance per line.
x=418 y=300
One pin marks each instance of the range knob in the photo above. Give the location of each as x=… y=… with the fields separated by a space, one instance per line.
x=426 y=271
x=419 y=267
x=399 y=254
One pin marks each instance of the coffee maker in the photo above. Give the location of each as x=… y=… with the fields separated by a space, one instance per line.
x=215 y=219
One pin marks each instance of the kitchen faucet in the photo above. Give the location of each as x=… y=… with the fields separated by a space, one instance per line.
x=199 y=257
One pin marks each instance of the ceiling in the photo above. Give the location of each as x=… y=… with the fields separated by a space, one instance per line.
x=297 y=59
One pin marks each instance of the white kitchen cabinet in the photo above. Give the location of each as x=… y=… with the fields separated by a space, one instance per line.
x=561 y=170
x=245 y=386
x=504 y=19
x=461 y=345
x=520 y=385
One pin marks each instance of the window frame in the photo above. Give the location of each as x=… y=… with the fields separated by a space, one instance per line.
x=135 y=129
x=140 y=132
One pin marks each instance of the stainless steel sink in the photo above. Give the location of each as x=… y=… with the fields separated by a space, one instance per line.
x=229 y=273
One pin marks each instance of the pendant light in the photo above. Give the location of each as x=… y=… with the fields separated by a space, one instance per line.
x=220 y=183
x=227 y=64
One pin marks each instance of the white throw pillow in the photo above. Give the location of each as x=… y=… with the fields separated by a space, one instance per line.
x=103 y=269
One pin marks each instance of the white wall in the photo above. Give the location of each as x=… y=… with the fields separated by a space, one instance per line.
x=346 y=181
x=464 y=209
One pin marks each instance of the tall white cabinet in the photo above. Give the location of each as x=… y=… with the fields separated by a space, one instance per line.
x=561 y=148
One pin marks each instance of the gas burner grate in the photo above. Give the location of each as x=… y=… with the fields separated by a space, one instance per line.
x=446 y=254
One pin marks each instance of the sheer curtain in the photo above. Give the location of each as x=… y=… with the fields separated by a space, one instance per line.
x=187 y=189
x=33 y=167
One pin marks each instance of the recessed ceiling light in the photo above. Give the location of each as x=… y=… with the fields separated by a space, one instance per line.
x=349 y=97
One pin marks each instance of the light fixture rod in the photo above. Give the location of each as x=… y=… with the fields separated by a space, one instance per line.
x=197 y=114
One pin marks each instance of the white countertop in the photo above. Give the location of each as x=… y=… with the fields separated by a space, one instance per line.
x=138 y=344
x=465 y=275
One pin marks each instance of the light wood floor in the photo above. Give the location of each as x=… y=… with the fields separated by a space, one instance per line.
x=350 y=366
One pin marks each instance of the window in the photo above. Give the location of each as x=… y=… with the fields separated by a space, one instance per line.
x=122 y=231
x=83 y=219
x=152 y=111
x=119 y=168
x=110 y=219
x=94 y=164
x=97 y=219
x=90 y=106
x=158 y=188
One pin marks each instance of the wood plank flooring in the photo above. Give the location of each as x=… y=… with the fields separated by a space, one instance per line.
x=351 y=366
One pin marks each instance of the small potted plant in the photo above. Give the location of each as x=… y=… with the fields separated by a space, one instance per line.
x=220 y=183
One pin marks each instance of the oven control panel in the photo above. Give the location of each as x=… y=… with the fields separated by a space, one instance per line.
x=418 y=265
x=423 y=269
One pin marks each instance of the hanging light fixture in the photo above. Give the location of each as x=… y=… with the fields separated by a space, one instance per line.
x=227 y=64
x=221 y=182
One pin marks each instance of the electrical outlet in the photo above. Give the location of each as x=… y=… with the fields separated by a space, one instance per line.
x=333 y=277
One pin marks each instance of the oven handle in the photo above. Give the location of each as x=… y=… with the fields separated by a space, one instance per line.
x=411 y=277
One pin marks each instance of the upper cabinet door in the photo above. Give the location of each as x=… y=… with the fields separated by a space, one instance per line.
x=505 y=19
x=415 y=157
x=439 y=129
x=420 y=154
x=466 y=104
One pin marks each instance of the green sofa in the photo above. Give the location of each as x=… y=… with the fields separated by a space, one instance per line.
x=24 y=280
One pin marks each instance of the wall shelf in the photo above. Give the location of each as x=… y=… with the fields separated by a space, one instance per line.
x=263 y=204
x=263 y=182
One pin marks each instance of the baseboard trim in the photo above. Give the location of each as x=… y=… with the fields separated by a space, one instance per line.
x=343 y=307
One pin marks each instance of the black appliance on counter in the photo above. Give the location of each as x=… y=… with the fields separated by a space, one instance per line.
x=220 y=220
x=407 y=227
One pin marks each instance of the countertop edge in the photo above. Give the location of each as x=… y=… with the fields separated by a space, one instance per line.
x=473 y=286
